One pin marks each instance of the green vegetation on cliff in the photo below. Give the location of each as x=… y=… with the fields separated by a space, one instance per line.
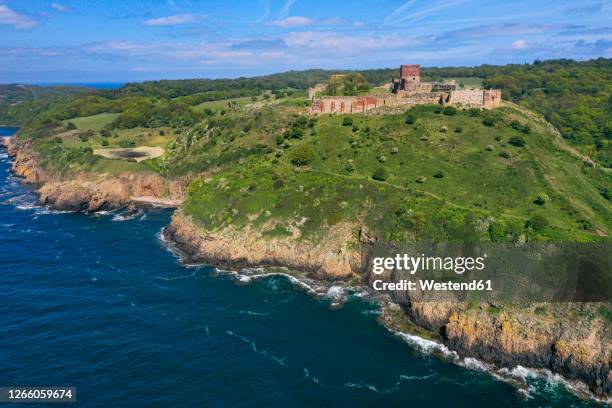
x=444 y=177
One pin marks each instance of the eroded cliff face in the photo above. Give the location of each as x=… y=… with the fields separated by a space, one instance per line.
x=568 y=339
x=92 y=192
x=330 y=258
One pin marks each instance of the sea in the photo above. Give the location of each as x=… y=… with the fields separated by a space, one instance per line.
x=100 y=303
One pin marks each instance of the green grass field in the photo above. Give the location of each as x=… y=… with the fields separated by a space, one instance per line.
x=95 y=122
x=469 y=82
x=223 y=104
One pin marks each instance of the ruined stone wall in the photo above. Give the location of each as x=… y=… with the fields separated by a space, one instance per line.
x=466 y=97
x=491 y=98
x=352 y=104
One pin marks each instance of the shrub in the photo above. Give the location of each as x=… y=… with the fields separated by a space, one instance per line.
x=252 y=187
x=517 y=141
x=421 y=180
x=450 y=111
x=438 y=109
x=279 y=183
x=489 y=148
x=458 y=129
x=474 y=112
x=541 y=199
x=70 y=126
x=537 y=222
x=488 y=122
x=104 y=143
x=438 y=174
x=347 y=122
x=410 y=118
x=302 y=155
x=380 y=174
x=279 y=140
x=58 y=139
x=505 y=154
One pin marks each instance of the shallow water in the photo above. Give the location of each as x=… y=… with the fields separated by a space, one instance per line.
x=99 y=303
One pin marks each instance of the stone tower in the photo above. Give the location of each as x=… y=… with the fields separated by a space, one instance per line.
x=410 y=73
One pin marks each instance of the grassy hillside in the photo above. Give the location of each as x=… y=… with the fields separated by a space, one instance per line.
x=464 y=176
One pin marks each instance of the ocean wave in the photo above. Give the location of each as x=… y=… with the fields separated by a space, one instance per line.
x=278 y=360
x=427 y=346
x=251 y=313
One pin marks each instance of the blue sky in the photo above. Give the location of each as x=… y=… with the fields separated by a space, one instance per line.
x=127 y=40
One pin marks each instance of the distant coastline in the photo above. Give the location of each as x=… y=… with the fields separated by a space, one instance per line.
x=96 y=85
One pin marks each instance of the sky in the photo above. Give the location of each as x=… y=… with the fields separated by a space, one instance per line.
x=127 y=40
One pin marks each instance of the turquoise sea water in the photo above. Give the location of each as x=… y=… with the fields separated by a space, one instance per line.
x=99 y=303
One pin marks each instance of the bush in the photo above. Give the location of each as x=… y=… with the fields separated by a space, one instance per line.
x=541 y=199
x=279 y=140
x=347 y=122
x=505 y=154
x=438 y=109
x=516 y=125
x=104 y=143
x=380 y=174
x=410 y=118
x=450 y=111
x=458 y=129
x=438 y=174
x=517 y=141
x=537 y=222
x=488 y=122
x=70 y=126
x=474 y=112
x=302 y=155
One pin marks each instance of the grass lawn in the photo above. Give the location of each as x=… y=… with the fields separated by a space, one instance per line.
x=95 y=122
x=469 y=82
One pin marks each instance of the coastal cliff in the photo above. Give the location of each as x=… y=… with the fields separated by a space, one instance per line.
x=577 y=348
x=330 y=258
x=91 y=192
x=547 y=336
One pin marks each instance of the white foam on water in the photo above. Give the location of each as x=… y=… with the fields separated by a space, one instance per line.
x=251 y=313
x=427 y=346
x=475 y=364
x=278 y=360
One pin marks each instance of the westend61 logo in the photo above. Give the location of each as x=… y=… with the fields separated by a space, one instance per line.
x=413 y=264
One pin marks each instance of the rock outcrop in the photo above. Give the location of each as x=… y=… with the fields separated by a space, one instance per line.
x=92 y=192
x=568 y=339
x=330 y=258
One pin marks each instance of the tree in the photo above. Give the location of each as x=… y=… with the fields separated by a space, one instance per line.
x=517 y=141
x=302 y=155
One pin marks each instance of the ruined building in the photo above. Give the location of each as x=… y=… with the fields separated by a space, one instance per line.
x=407 y=91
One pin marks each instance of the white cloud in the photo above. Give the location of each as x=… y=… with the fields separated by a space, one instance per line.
x=10 y=17
x=295 y=21
x=286 y=8
x=170 y=20
x=358 y=24
x=519 y=44
x=61 y=8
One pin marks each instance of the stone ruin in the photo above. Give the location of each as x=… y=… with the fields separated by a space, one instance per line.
x=407 y=91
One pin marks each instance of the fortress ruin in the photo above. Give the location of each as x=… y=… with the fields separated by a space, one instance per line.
x=406 y=91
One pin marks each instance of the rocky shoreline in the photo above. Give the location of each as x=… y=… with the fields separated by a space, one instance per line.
x=578 y=349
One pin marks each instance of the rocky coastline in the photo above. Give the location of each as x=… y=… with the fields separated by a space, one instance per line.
x=91 y=192
x=578 y=349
